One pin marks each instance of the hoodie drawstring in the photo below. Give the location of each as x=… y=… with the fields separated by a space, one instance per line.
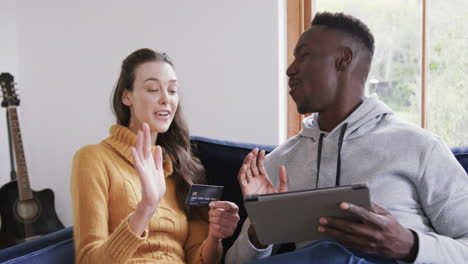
x=338 y=162
x=319 y=158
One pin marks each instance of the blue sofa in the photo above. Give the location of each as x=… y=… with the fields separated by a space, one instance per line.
x=222 y=160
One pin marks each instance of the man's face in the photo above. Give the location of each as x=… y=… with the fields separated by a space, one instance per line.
x=313 y=74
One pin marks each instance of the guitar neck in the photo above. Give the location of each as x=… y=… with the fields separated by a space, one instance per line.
x=24 y=188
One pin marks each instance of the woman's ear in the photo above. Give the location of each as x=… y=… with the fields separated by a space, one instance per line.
x=126 y=98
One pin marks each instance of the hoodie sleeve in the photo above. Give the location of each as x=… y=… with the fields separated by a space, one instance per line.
x=443 y=192
x=242 y=251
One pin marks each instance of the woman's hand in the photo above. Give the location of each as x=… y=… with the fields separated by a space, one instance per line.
x=153 y=184
x=223 y=218
x=150 y=169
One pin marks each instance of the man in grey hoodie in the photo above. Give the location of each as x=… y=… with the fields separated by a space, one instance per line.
x=419 y=191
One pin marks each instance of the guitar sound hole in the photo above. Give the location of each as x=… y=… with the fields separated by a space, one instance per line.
x=27 y=211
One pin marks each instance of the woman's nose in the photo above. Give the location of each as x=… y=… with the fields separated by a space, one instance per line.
x=164 y=97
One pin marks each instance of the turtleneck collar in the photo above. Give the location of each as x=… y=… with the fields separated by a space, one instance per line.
x=121 y=139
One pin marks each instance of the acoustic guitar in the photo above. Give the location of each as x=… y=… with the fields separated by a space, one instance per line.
x=25 y=214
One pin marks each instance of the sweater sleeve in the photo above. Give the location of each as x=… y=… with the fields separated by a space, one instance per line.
x=198 y=232
x=89 y=190
x=443 y=191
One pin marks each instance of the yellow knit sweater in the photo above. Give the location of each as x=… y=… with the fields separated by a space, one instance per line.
x=106 y=189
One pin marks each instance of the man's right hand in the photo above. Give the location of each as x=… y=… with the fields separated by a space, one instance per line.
x=253 y=179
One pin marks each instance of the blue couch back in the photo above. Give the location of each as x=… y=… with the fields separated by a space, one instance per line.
x=222 y=160
x=461 y=154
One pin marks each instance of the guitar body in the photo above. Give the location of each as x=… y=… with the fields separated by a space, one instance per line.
x=23 y=220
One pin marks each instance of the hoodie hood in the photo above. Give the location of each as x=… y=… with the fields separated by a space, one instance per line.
x=363 y=119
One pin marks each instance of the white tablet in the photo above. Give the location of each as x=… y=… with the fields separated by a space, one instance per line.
x=293 y=216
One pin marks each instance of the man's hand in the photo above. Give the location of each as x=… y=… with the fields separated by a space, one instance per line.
x=253 y=178
x=379 y=234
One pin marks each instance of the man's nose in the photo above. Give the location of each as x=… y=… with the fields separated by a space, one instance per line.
x=291 y=69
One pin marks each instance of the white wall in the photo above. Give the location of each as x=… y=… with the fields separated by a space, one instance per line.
x=227 y=56
x=8 y=63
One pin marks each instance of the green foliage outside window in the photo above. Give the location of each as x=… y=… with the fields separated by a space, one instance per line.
x=396 y=70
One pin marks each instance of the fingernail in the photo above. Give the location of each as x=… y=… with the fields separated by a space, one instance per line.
x=321 y=229
x=344 y=206
x=323 y=221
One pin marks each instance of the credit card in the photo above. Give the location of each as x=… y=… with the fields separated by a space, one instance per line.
x=202 y=195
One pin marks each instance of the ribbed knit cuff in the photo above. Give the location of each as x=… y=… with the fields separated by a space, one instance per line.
x=249 y=250
x=427 y=252
x=123 y=242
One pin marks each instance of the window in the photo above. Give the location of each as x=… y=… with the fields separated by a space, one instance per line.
x=447 y=89
x=424 y=82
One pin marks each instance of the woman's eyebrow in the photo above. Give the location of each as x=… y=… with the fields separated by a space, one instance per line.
x=152 y=79
x=157 y=80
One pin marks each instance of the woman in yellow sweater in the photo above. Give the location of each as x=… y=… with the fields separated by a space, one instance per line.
x=128 y=191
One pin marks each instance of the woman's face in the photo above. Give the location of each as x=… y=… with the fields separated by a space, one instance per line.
x=154 y=98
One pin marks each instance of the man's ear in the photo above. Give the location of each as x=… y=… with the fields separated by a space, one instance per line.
x=126 y=98
x=345 y=58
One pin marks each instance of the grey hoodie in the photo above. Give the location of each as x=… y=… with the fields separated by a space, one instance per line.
x=410 y=172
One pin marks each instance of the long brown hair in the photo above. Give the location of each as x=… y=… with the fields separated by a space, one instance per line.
x=175 y=142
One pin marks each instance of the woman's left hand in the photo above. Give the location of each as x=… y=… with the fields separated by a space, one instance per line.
x=223 y=218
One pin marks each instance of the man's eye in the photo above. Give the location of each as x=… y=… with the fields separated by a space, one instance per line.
x=153 y=90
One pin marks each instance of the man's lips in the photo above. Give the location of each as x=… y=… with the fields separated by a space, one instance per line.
x=293 y=85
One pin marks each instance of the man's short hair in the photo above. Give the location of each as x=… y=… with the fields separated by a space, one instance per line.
x=347 y=24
